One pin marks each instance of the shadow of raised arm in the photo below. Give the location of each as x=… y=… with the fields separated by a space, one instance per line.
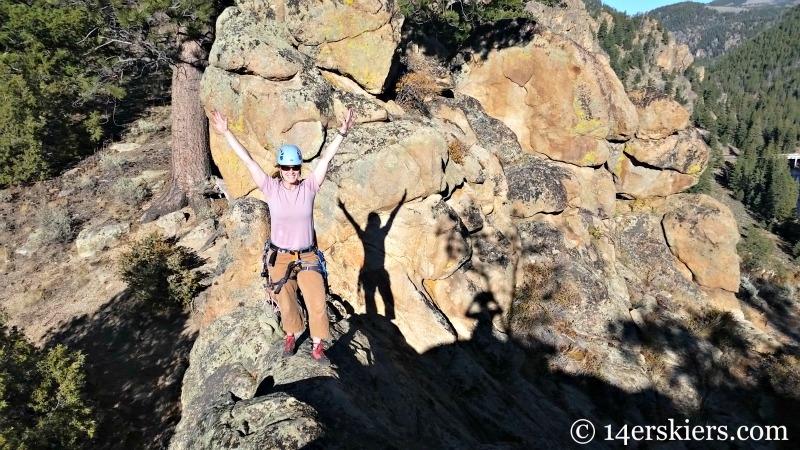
x=394 y=212
x=352 y=221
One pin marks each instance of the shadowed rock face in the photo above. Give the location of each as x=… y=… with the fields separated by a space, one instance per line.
x=483 y=258
x=379 y=392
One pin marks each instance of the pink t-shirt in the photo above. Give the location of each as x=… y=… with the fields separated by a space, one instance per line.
x=291 y=212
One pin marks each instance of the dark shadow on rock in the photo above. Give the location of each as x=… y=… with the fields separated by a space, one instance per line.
x=523 y=384
x=373 y=276
x=776 y=304
x=135 y=361
x=494 y=36
x=496 y=391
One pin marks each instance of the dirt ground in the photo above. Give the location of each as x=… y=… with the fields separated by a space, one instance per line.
x=135 y=359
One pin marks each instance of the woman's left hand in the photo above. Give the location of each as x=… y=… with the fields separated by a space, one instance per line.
x=347 y=121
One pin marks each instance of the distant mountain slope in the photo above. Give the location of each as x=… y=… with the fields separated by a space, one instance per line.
x=752 y=3
x=751 y=100
x=712 y=30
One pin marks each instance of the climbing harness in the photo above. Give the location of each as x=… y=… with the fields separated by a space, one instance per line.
x=272 y=288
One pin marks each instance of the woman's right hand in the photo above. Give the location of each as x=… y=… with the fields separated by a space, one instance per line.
x=219 y=122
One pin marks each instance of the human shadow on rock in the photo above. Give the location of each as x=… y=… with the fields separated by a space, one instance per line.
x=496 y=389
x=373 y=277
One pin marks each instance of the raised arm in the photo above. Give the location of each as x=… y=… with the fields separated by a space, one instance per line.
x=221 y=125
x=327 y=155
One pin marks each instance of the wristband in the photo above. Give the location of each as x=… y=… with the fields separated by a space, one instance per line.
x=341 y=134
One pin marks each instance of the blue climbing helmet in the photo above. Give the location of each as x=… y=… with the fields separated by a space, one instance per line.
x=289 y=155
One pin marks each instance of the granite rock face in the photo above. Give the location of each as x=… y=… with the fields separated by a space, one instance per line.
x=532 y=221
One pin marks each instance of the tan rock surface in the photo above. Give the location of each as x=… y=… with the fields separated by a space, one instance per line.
x=355 y=38
x=638 y=181
x=659 y=117
x=703 y=234
x=240 y=284
x=560 y=100
x=685 y=152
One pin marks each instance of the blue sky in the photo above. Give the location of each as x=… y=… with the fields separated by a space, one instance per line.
x=638 y=6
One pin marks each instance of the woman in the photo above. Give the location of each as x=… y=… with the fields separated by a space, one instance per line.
x=291 y=207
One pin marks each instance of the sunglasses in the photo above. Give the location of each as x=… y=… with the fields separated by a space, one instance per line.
x=288 y=168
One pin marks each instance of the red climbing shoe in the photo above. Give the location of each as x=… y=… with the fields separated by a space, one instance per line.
x=288 y=349
x=318 y=353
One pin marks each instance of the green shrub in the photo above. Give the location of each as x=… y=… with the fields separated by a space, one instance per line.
x=130 y=192
x=54 y=224
x=55 y=86
x=452 y=24
x=110 y=162
x=159 y=272
x=755 y=249
x=42 y=396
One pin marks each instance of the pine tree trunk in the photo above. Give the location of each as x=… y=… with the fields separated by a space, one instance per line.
x=190 y=148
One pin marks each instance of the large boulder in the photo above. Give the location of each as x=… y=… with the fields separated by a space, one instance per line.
x=659 y=115
x=634 y=179
x=645 y=262
x=92 y=240
x=538 y=186
x=264 y=115
x=568 y=18
x=381 y=265
x=356 y=38
x=685 y=152
x=702 y=233
x=676 y=57
x=239 y=282
x=560 y=100
x=378 y=167
x=489 y=274
x=245 y=43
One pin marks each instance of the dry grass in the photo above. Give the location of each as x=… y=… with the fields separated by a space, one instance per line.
x=130 y=192
x=784 y=375
x=566 y=293
x=457 y=151
x=415 y=88
x=111 y=163
x=543 y=299
x=83 y=182
x=706 y=325
x=54 y=224
x=654 y=363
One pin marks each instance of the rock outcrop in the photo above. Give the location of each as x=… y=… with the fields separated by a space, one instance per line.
x=560 y=100
x=536 y=212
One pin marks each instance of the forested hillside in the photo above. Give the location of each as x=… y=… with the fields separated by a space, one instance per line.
x=750 y=98
x=634 y=45
x=711 y=32
x=750 y=3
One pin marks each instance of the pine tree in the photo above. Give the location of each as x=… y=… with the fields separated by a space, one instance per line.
x=781 y=191
x=176 y=34
x=42 y=396
x=55 y=87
